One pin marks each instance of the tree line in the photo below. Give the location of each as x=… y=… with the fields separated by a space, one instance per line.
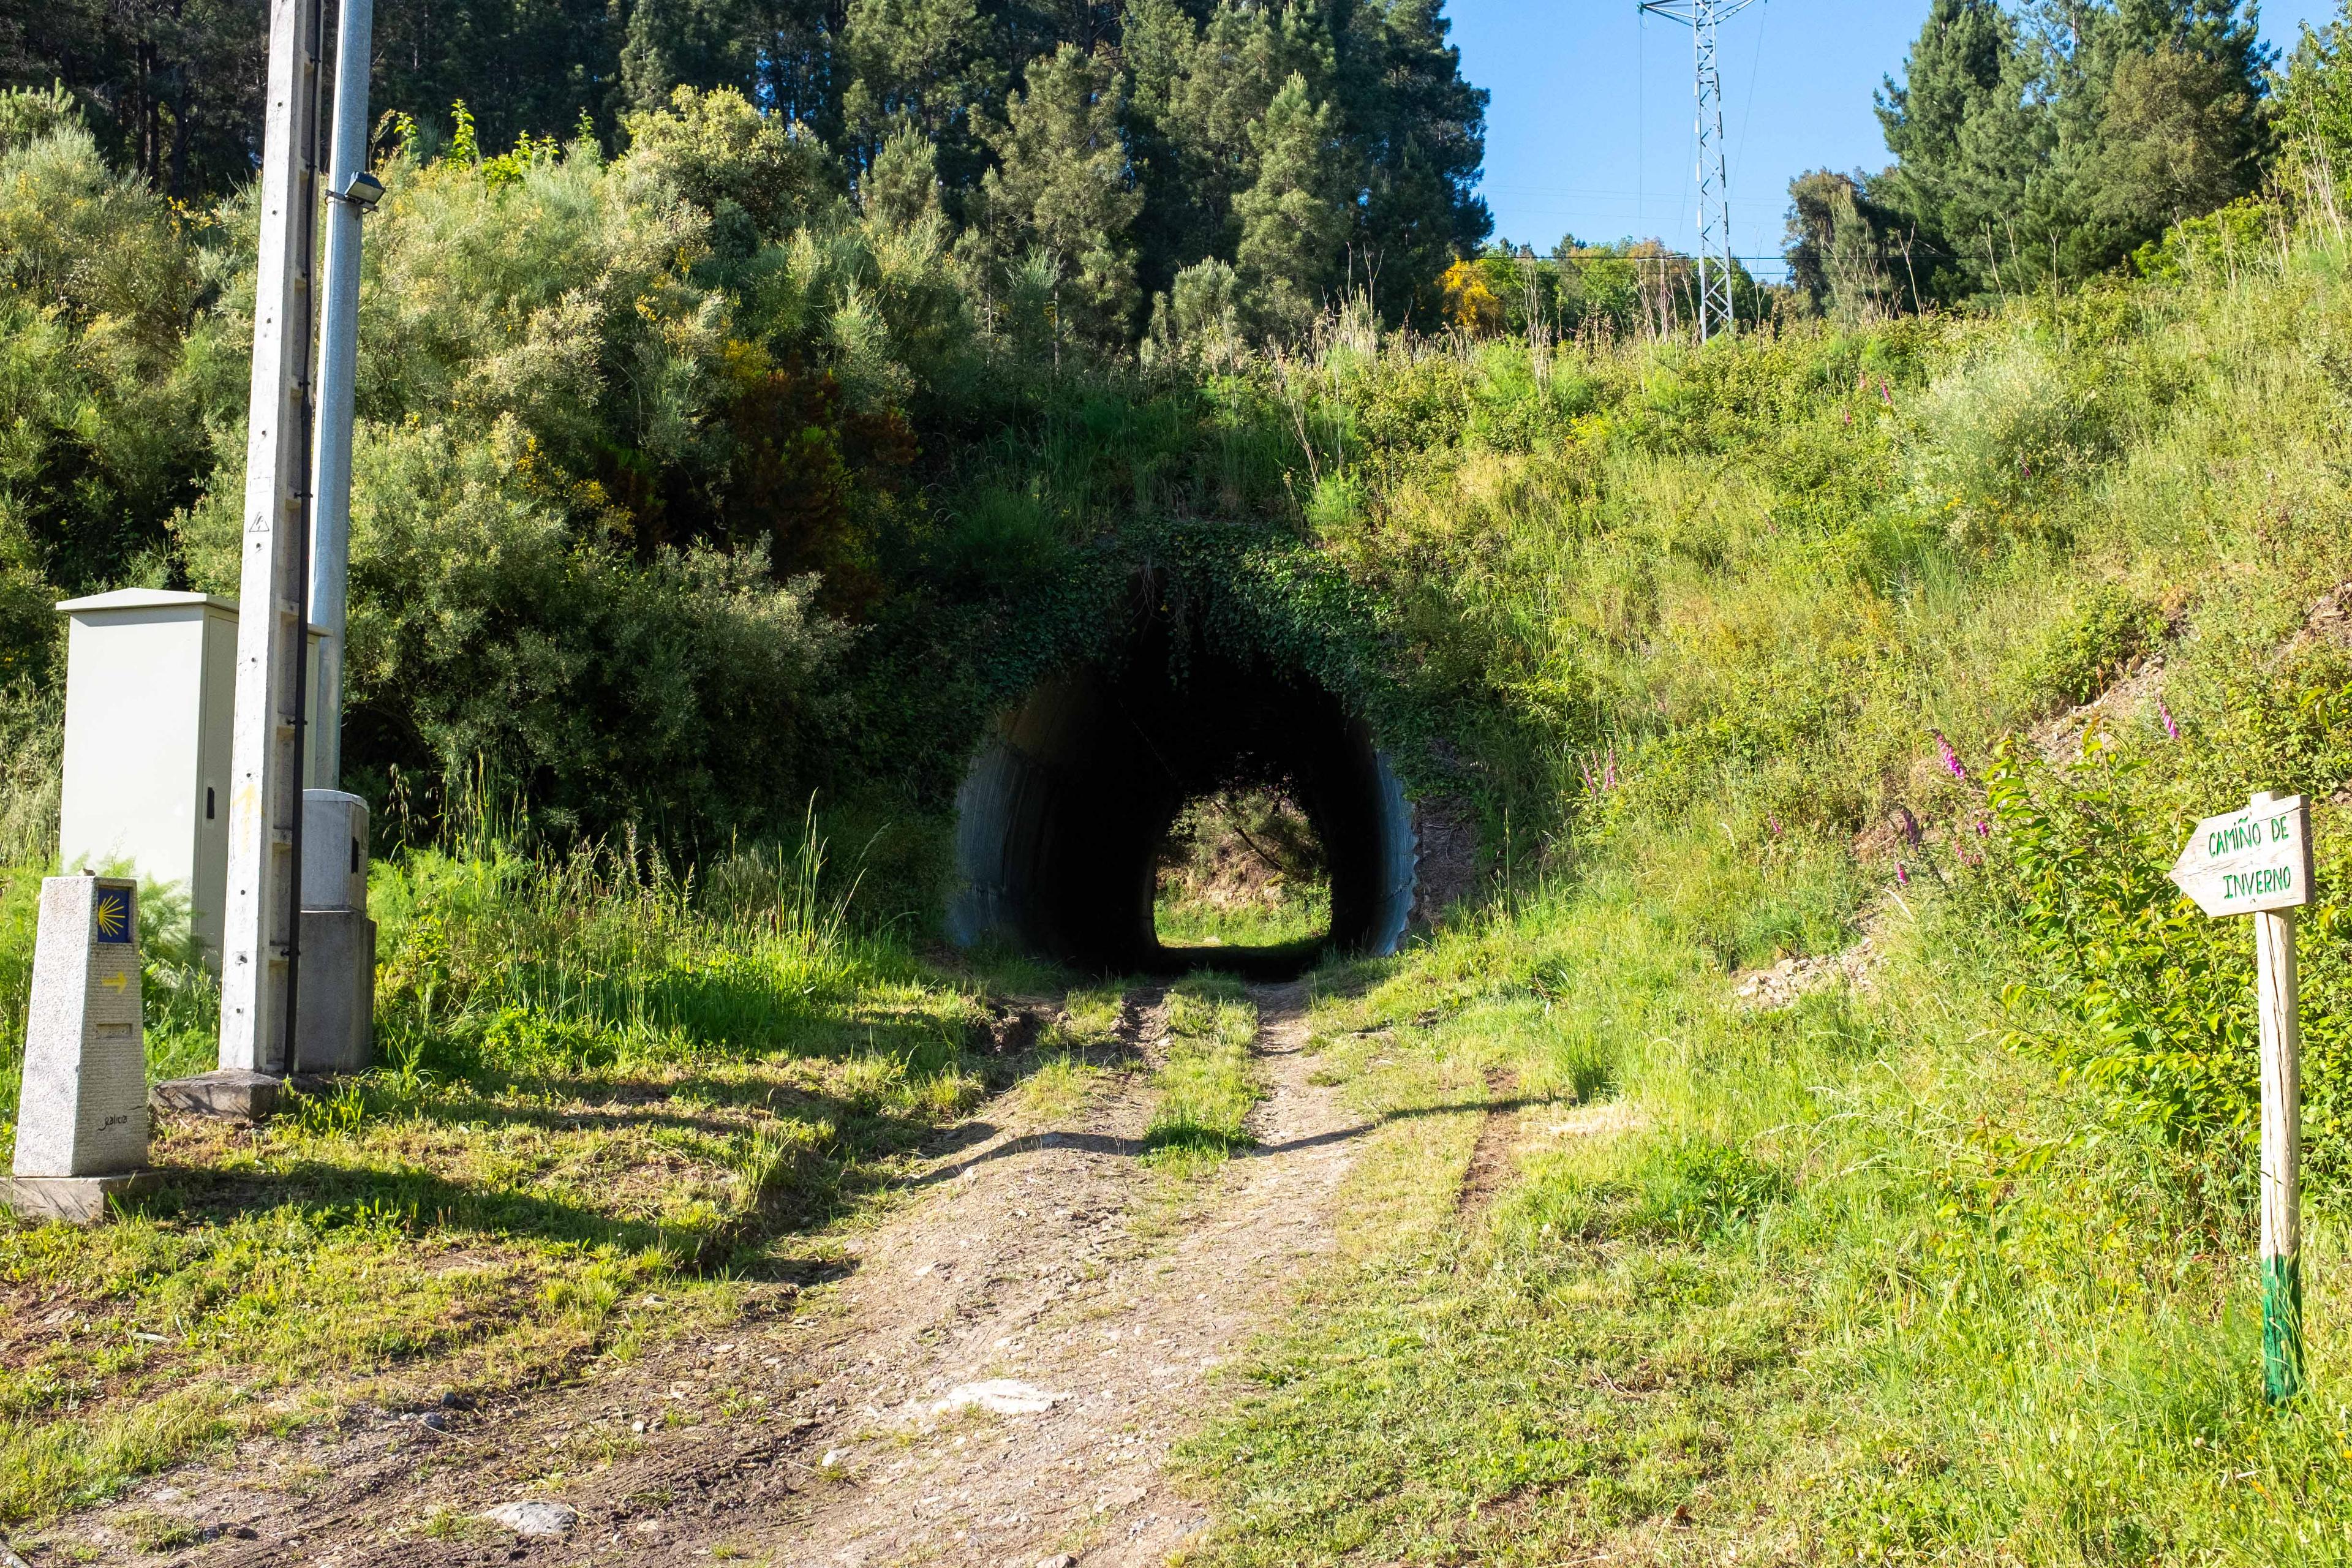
x=2042 y=144
x=2034 y=143
x=1203 y=158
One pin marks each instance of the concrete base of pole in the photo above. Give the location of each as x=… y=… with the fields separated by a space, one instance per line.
x=76 y=1200
x=337 y=1016
x=232 y=1094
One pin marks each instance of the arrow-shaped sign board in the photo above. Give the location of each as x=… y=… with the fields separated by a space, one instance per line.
x=2255 y=858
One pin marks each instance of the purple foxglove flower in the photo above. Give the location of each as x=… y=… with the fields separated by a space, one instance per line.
x=2171 y=730
x=1984 y=828
x=1902 y=877
x=1952 y=763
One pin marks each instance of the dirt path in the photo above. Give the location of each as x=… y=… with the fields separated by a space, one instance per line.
x=1088 y=1297
x=1106 y=1294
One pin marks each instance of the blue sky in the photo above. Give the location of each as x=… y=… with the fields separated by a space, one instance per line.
x=1588 y=127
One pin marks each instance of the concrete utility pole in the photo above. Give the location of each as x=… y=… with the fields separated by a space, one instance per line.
x=1715 y=312
x=350 y=191
x=260 y=941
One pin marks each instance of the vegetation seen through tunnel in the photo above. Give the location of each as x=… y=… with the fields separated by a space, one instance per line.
x=1242 y=868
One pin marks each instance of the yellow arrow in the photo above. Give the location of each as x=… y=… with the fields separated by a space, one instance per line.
x=115 y=982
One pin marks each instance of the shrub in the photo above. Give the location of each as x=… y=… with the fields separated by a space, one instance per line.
x=2123 y=982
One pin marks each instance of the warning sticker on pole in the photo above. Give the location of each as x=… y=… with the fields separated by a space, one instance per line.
x=2255 y=858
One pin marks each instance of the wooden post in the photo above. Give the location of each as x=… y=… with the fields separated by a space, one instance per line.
x=2281 y=1174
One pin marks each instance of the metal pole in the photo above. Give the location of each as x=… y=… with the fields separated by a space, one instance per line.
x=2282 y=1168
x=1702 y=68
x=265 y=806
x=339 y=330
x=1714 y=247
x=1727 y=317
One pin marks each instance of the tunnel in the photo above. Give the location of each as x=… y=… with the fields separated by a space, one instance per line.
x=1061 y=818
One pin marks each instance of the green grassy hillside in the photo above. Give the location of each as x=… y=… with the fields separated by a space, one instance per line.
x=1738 y=654
x=1955 y=1264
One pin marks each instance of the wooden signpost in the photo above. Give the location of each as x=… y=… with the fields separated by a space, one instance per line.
x=2257 y=862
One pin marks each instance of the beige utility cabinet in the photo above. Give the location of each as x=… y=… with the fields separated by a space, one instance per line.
x=150 y=676
x=149 y=679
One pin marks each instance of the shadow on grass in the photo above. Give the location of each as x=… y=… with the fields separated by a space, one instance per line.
x=324 y=1195
x=1186 y=1138
x=800 y=1187
x=1203 y=1140
x=1274 y=963
x=789 y=1177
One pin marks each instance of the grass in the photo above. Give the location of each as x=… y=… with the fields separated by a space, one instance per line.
x=1284 y=915
x=1206 y=1087
x=1077 y=1056
x=1904 y=1275
x=614 y=1104
x=1845 y=1282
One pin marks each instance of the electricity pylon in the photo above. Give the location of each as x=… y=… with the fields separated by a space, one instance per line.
x=1713 y=180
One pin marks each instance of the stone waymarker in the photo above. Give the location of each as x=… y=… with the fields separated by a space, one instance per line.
x=81 y=1119
x=2257 y=862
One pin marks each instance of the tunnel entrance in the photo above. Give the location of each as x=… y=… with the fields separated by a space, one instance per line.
x=1068 y=818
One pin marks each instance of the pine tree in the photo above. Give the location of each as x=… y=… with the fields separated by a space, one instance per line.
x=778 y=52
x=2056 y=141
x=901 y=187
x=1961 y=59
x=1198 y=90
x=1062 y=187
x=169 y=88
x=922 y=63
x=1422 y=131
x=2178 y=139
x=1293 y=220
x=1954 y=125
x=525 y=66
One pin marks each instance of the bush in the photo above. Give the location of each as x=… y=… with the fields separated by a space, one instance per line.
x=2092 y=645
x=2124 y=982
x=1996 y=440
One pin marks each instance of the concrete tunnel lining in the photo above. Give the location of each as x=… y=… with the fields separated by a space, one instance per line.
x=1060 y=818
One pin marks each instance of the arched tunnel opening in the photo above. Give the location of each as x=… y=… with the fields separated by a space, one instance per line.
x=1064 y=820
